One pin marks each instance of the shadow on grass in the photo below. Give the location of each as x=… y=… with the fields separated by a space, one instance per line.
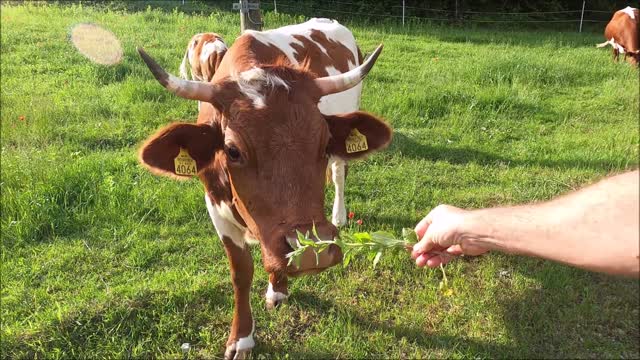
x=409 y=148
x=569 y=312
x=564 y=312
x=412 y=334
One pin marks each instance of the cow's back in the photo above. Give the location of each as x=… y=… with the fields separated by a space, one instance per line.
x=323 y=45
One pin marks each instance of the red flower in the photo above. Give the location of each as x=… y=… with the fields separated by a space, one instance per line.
x=21 y=117
x=351 y=214
x=359 y=222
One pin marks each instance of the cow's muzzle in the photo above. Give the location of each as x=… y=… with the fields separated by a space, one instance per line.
x=310 y=262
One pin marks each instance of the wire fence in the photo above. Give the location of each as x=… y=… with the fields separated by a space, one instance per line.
x=338 y=9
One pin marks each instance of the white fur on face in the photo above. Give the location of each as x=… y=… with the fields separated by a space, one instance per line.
x=255 y=83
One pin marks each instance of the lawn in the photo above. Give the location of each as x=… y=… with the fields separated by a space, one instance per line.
x=102 y=259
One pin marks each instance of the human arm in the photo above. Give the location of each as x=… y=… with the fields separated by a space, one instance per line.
x=596 y=228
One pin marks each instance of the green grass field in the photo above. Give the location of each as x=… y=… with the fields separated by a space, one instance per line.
x=102 y=259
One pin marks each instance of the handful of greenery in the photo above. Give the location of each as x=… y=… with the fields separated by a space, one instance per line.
x=373 y=245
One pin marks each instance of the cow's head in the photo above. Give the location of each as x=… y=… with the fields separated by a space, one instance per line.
x=271 y=144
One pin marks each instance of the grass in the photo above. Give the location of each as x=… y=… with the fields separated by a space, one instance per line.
x=102 y=259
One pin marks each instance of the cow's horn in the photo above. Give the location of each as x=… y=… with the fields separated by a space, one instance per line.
x=187 y=89
x=337 y=83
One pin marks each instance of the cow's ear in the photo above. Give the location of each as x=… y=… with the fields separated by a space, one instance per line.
x=193 y=144
x=356 y=134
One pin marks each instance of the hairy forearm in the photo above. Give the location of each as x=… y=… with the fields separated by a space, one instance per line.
x=597 y=228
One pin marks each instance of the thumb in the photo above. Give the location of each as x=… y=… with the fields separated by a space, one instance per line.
x=425 y=245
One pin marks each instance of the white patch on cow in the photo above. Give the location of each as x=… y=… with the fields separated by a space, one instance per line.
x=209 y=48
x=247 y=342
x=617 y=46
x=274 y=296
x=340 y=103
x=243 y=345
x=225 y=223
x=254 y=83
x=283 y=37
x=339 y=214
x=630 y=11
x=250 y=239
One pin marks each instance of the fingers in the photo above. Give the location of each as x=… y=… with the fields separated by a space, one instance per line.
x=455 y=250
x=423 y=246
x=432 y=260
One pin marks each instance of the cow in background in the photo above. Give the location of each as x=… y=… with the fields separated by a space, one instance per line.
x=622 y=34
x=281 y=107
x=203 y=56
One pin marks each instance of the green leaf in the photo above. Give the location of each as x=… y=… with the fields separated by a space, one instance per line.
x=304 y=239
x=377 y=259
x=409 y=235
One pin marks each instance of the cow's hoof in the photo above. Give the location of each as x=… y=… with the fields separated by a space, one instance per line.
x=272 y=304
x=274 y=298
x=339 y=220
x=233 y=354
x=240 y=350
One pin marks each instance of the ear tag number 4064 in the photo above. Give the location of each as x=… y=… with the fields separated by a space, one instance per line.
x=356 y=142
x=184 y=164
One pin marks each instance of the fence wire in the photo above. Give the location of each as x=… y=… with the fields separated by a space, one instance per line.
x=346 y=8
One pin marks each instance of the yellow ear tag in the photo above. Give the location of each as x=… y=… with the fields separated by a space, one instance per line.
x=184 y=163
x=356 y=142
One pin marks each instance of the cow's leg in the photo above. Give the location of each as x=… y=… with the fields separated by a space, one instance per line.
x=616 y=54
x=277 y=292
x=339 y=214
x=240 y=340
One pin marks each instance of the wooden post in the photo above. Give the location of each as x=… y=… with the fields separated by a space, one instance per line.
x=250 y=17
x=403 y=13
x=275 y=6
x=582 y=15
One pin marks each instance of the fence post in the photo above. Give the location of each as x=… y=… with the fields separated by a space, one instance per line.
x=456 y=10
x=402 y=13
x=275 y=6
x=250 y=18
x=582 y=15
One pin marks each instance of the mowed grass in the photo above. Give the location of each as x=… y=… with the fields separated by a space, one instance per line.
x=102 y=259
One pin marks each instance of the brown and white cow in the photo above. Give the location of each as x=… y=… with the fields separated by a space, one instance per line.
x=281 y=106
x=622 y=34
x=203 y=56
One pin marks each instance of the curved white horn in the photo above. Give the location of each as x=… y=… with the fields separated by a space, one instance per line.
x=187 y=89
x=337 y=83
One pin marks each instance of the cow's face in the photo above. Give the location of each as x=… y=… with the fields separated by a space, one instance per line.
x=272 y=145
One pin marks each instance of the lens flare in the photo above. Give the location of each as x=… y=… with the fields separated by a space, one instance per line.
x=97 y=44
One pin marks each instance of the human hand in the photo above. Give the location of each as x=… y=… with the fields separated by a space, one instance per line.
x=443 y=235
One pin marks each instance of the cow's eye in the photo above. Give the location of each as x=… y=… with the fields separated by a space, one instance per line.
x=232 y=152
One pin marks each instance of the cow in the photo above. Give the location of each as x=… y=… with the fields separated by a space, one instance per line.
x=203 y=56
x=281 y=107
x=622 y=34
